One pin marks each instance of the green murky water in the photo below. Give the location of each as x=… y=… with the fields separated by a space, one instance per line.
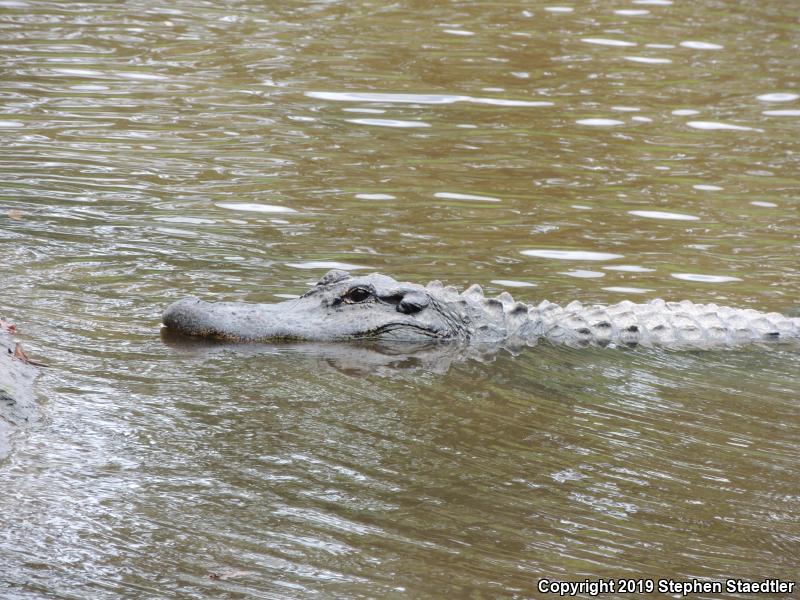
x=237 y=149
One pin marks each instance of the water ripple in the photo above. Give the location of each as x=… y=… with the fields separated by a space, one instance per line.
x=705 y=278
x=255 y=207
x=778 y=97
x=716 y=126
x=607 y=42
x=395 y=123
x=667 y=216
x=571 y=254
x=420 y=98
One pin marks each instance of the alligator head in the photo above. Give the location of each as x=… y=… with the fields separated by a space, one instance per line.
x=338 y=307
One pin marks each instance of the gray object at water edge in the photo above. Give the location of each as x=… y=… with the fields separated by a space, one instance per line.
x=17 y=402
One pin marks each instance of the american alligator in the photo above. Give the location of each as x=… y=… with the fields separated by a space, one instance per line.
x=376 y=307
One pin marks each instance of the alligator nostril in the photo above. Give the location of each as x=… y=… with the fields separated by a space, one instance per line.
x=412 y=302
x=408 y=308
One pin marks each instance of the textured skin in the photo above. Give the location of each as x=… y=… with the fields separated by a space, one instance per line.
x=342 y=307
x=658 y=323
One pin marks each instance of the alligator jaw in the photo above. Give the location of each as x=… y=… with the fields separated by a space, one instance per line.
x=403 y=331
x=232 y=321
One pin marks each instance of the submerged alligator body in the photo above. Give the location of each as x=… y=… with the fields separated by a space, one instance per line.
x=376 y=307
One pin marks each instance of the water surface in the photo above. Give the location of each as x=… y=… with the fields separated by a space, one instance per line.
x=238 y=150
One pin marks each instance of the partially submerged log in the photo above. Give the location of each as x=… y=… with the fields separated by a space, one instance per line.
x=17 y=401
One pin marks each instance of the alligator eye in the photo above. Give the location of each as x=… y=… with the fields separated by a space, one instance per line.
x=357 y=295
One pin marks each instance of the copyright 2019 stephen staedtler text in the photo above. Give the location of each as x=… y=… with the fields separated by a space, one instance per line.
x=689 y=587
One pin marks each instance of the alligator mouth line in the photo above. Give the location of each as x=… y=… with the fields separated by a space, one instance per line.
x=386 y=331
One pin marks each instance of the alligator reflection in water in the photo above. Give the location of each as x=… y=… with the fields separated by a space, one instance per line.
x=377 y=307
x=358 y=357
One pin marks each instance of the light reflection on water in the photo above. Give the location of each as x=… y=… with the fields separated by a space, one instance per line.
x=150 y=152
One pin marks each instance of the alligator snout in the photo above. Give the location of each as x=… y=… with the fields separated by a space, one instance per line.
x=186 y=316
